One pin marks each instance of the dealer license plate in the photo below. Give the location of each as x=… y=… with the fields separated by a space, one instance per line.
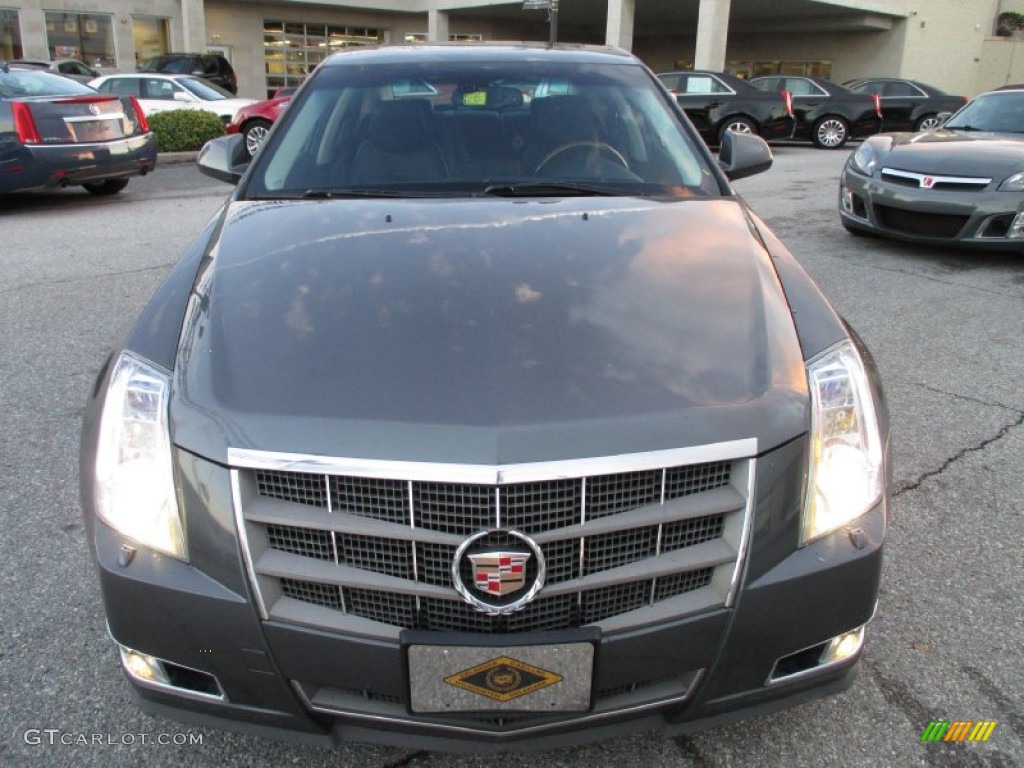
x=521 y=678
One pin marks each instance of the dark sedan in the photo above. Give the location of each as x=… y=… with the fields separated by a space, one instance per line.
x=717 y=102
x=56 y=132
x=908 y=105
x=826 y=113
x=468 y=423
x=959 y=185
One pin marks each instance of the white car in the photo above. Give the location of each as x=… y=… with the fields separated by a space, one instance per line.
x=161 y=93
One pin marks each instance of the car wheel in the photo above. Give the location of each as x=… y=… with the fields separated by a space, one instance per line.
x=736 y=125
x=928 y=123
x=255 y=132
x=108 y=187
x=831 y=132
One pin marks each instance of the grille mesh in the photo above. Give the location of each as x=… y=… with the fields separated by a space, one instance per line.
x=465 y=509
x=300 y=487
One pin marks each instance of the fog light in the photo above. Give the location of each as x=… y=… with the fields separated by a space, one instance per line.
x=840 y=648
x=1017 y=227
x=143 y=667
x=846 y=198
x=844 y=646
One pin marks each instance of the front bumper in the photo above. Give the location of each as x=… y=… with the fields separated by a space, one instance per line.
x=43 y=166
x=287 y=680
x=975 y=219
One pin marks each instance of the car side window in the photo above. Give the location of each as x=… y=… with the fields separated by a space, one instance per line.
x=670 y=81
x=902 y=90
x=799 y=86
x=122 y=86
x=160 y=89
x=768 y=83
x=705 y=84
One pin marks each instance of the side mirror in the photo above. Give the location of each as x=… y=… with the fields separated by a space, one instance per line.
x=943 y=118
x=743 y=154
x=224 y=159
x=182 y=96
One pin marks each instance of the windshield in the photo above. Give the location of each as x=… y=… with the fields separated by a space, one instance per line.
x=25 y=82
x=463 y=127
x=204 y=90
x=1000 y=112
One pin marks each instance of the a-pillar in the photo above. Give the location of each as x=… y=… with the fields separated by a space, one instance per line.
x=619 y=30
x=712 y=34
x=437 y=26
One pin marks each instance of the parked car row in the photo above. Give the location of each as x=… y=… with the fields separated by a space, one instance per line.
x=806 y=108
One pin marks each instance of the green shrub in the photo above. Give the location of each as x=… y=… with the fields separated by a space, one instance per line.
x=183 y=130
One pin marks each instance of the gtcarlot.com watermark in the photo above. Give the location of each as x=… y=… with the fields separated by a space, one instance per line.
x=55 y=736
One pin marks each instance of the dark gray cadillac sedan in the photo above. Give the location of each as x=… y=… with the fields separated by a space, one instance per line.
x=485 y=414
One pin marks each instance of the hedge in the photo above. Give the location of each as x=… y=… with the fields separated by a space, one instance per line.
x=183 y=130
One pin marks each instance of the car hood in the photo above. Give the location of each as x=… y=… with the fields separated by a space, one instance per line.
x=485 y=331
x=956 y=153
x=229 y=106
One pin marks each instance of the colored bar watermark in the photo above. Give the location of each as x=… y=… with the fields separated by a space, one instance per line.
x=959 y=730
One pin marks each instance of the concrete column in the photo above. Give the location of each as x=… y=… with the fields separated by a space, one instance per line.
x=712 y=34
x=619 y=30
x=437 y=26
x=193 y=26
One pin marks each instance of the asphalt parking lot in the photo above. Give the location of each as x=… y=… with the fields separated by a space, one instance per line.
x=946 y=328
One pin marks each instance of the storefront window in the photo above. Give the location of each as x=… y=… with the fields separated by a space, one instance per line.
x=293 y=49
x=10 y=35
x=747 y=69
x=85 y=36
x=150 y=37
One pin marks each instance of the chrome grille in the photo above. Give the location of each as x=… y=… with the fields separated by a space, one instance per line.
x=381 y=548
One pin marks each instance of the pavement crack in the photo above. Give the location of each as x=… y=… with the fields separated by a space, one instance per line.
x=82 y=278
x=982 y=445
x=992 y=692
x=958 y=396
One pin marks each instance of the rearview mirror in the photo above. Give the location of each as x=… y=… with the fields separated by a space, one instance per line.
x=225 y=158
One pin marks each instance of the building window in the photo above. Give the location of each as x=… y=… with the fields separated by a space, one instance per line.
x=293 y=49
x=85 y=36
x=747 y=69
x=150 y=37
x=10 y=35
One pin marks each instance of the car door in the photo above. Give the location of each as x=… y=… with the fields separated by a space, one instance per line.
x=702 y=97
x=809 y=99
x=900 y=101
x=160 y=95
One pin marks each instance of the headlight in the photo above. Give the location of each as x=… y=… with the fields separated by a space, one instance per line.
x=863 y=160
x=134 y=479
x=845 y=474
x=1014 y=183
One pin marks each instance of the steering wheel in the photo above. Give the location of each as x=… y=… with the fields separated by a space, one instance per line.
x=598 y=147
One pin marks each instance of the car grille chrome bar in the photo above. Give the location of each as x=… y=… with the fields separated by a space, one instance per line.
x=628 y=540
x=935 y=181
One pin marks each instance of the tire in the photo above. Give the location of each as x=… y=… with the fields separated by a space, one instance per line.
x=830 y=132
x=736 y=124
x=255 y=132
x=927 y=123
x=107 y=187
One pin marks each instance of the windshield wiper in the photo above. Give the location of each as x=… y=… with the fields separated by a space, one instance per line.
x=324 y=193
x=553 y=189
x=964 y=128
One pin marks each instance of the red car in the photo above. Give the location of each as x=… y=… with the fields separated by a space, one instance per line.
x=256 y=120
